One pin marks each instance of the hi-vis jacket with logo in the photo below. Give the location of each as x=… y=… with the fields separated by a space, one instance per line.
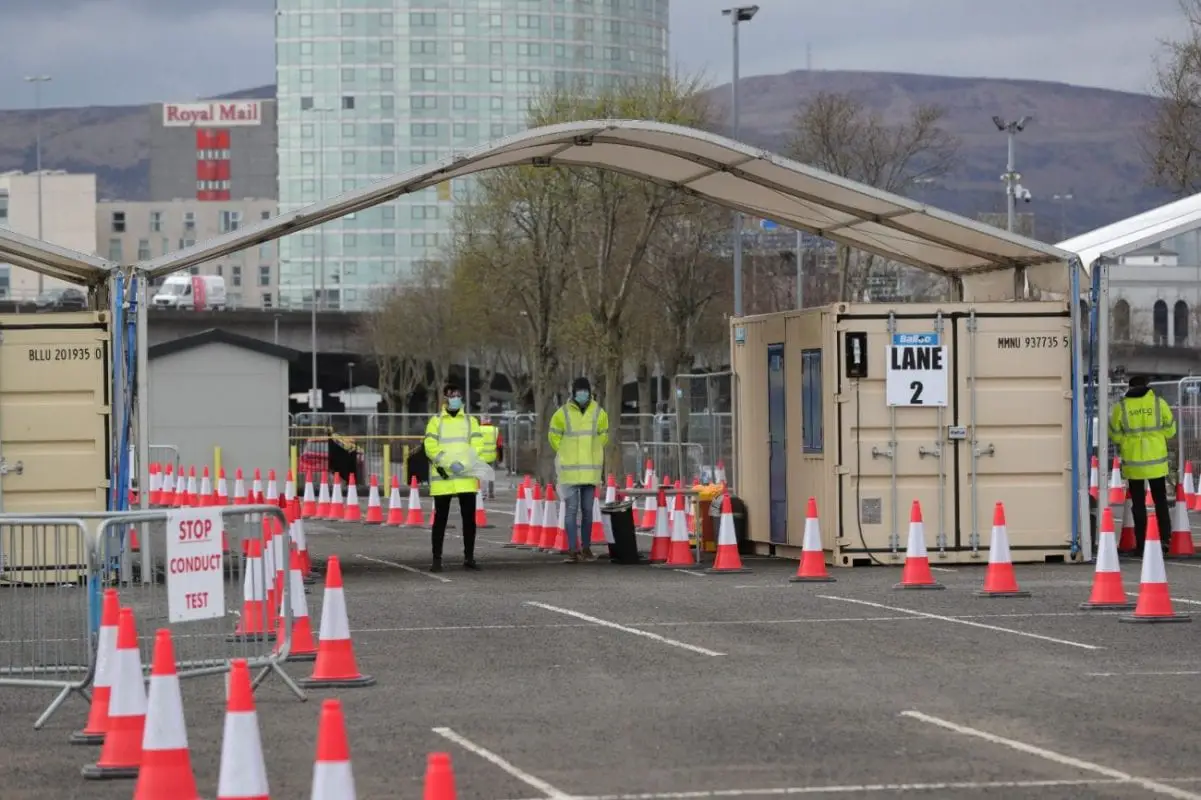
x=1140 y=425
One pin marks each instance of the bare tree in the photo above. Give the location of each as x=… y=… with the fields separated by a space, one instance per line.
x=1171 y=138
x=387 y=329
x=836 y=132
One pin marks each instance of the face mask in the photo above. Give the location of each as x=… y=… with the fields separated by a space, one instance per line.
x=454 y=403
x=582 y=397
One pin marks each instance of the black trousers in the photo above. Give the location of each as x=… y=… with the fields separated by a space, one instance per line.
x=1138 y=506
x=442 y=516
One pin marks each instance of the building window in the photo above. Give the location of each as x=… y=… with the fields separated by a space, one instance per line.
x=348 y=48
x=118 y=222
x=230 y=221
x=194 y=271
x=496 y=48
x=496 y=76
x=1159 y=319
x=348 y=158
x=427 y=130
x=189 y=220
x=425 y=212
x=385 y=20
x=143 y=249
x=348 y=102
x=268 y=300
x=235 y=275
x=458 y=20
x=812 y=432
x=423 y=101
x=348 y=75
x=220 y=269
x=458 y=48
x=423 y=75
x=423 y=19
x=3 y=208
x=264 y=275
x=386 y=75
x=347 y=20
x=306 y=104
x=459 y=103
x=1180 y=323
x=529 y=21
x=115 y=251
x=423 y=47
x=265 y=215
x=156 y=222
x=497 y=104
x=386 y=47
x=387 y=102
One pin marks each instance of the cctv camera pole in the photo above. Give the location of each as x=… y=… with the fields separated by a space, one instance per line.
x=737 y=15
x=1011 y=182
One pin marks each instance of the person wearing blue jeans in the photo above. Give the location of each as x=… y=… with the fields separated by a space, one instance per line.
x=578 y=433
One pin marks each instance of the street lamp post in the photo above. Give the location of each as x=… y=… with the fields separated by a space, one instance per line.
x=37 y=81
x=737 y=14
x=1011 y=176
x=321 y=114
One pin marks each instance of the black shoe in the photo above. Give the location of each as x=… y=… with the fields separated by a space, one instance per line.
x=471 y=565
x=436 y=566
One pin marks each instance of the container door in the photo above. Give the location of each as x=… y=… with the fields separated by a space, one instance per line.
x=891 y=451
x=777 y=426
x=1014 y=388
x=54 y=429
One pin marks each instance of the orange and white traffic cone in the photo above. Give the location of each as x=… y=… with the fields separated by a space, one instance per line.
x=560 y=543
x=166 y=494
x=193 y=495
x=337 y=504
x=303 y=647
x=413 y=517
x=549 y=529
x=916 y=574
x=256 y=487
x=352 y=512
x=271 y=498
x=598 y=532
x=1128 y=540
x=375 y=514
x=521 y=523
x=1107 y=578
x=106 y=666
x=222 y=488
x=1154 y=598
x=1117 y=492
x=301 y=544
x=679 y=550
x=121 y=755
x=1190 y=486
x=534 y=504
x=481 y=514
x=439 y=778
x=181 y=489
x=396 y=511
x=323 y=497
x=1094 y=478
x=661 y=542
x=999 y=579
x=155 y=477
x=207 y=495
x=335 y=665
x=650 y=511
x=308 y=507
x=166 y=771
x=333 y=778
x=1181 y=543
x=253 y=623
x=243 y=773
x=812 y=568
x=728 y=558
x=239 y=488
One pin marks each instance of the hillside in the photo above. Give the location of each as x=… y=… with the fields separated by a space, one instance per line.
x=1083 y=140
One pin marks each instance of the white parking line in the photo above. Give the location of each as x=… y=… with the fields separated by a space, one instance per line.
x=943 y=569
x=1051 y=755
x=1140 y=674
x=958 y=621
x=864 y=788
x=520 y=774
x=635 y=631
x=405 y=567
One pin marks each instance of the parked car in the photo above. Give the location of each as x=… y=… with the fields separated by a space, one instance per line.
x=62 y=298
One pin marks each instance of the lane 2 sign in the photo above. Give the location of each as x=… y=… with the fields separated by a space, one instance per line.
x=917 y=373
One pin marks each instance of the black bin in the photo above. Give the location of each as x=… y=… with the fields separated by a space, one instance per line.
x=624 y=549
x=739 y=512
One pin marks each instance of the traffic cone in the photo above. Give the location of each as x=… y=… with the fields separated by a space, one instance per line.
x=222 y=488
x=106 y=666
x=719 y=474
x=1128 y=541
x=650 y=511
x=155 y=478
x=239 y=488
x=290 y=488
x=253 y=623
x=302 y=647
x=1094 y=479
x=272 y=496
x=560 y=543
x=812 y=568
x=439 y=778
x=256 y=487
x=352 y=512
x=207 y=495
x=634 y=509
x=166 y=771
x=999 y=580
x=1154 y=599
x=648 y=475
x=1116 y=492
x=181 y=489
x=166 y=492
x=534 y=510
x=413 y=519
x=1181 y=543
x=481 y=514
x=1190 y=486
x=521 y=523
x=337 y=504
x=243 y=773
x=661 y=542
x=728 y=559
x=679 y=551
x=597 y=534
x=1107 y=578
x=333 y=778
x=335 y=664
x=121 y=754
x=193 y=500
x=323 y=497
x=308 y=508
x=375 y=514
x=916 y=574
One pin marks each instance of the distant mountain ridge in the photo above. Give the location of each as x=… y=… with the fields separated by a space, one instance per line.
x=1083 y=141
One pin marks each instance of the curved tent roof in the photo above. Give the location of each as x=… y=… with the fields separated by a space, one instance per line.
x=49 y=259
x=726 y=172
x=1134 y=233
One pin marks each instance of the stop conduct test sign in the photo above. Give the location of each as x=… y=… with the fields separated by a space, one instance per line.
x=195 y=569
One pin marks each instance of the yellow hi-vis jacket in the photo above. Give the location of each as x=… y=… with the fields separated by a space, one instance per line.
x=450 y=438
x=579 y=438
x=488 y=445
x=1141 y=427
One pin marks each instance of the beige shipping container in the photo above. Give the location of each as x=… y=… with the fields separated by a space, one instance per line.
x=814 y=420
x=54 y=435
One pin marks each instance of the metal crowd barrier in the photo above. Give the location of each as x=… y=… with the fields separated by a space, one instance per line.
x=50 y=611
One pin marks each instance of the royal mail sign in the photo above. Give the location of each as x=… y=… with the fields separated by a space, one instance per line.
x=213 y=115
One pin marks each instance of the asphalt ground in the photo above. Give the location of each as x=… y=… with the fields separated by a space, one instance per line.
x=551 y=680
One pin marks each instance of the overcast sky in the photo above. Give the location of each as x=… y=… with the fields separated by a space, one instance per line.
x=114 y=52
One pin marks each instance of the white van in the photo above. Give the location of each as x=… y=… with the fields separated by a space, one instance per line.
x=191 y=292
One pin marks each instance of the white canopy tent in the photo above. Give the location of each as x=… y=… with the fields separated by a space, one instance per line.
x=983 y=262
x=1101 y=248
